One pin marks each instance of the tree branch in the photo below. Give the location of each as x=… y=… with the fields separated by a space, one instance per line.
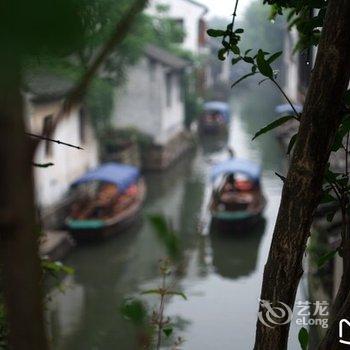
x=76 y=95
x=41 y=137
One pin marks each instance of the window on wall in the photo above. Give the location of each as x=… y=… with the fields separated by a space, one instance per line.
x=178 y=30
x=82 y=125
x=47 y=125
x=168 y=88
x=152 y=69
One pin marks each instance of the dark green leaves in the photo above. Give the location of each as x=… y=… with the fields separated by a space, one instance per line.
x=216 y=32
x=263 y=66
x=342 y=131
x=347 y=97
x=242 y=78
x=273 y=125
x=55 y=268
x=325 y=258
x=43 y=165
x=274 y=57
x=42 y=26
x=168 y=331
x=222 y=54
x=327 y=198
x=303 y=338
x=166 y=235
x=160 y=291
x=133 y=310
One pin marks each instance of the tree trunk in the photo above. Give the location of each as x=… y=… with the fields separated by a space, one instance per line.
x=19 y=234
x=341 y=305
x=302 y=187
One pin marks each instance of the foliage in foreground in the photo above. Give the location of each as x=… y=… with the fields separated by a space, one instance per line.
x=153 y=327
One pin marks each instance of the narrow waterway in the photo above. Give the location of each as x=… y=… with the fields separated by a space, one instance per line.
x=223 y=275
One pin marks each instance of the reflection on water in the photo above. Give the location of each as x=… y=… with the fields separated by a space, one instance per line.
x=223 y=275
x=236 y=256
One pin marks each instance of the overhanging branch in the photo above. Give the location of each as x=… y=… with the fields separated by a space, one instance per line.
x=78 y=92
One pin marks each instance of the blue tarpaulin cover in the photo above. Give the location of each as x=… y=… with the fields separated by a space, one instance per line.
x=287 y=108
x=218 y=106
x=121 y=175
x=237 y=166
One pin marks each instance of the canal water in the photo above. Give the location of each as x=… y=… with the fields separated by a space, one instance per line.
x=222 y=276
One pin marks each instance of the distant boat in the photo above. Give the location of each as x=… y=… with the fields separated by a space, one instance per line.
x=237 y=198
x=215 y=118
x=106 y=200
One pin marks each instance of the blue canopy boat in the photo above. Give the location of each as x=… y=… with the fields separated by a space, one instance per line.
x=106 y=200
x=216 y=117
x=237 y=197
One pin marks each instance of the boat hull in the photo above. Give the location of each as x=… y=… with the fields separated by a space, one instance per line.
x=101 y=230
x=213 y=129
x=234 y=225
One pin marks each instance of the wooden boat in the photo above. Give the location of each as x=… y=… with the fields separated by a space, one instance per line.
x=237 y=199
x=106 y=201
x=215 y=118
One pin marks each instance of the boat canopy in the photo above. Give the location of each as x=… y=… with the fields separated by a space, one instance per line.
x=121 y=175
x=218 y=106
x=287 y=108
x=237 y=166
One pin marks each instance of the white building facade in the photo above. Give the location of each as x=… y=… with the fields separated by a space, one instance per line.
x=52 y=183
x=189 y=14
x=152 y=98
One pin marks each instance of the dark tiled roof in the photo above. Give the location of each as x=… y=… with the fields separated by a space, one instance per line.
x=46 y=87
x=165 y=57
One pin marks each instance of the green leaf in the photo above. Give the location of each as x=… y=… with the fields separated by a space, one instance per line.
x=246 y=53
x=248 y=59
x=242 y=78
x=273 y=125
x=274 y=57
x=235 y=60
x=235 y=49
x=43 y=165
x=134 y=310
x=327 y=198
x=330 y=216
x=292 y=143
x=325 y=258
x=216 y=32
x=303 y=338
x=263 y=66
x=239 y=31
x=222 y=54
x=166 y=235
x=152 y=291
x=347 y=97
x=180 y=294
x=168 y=331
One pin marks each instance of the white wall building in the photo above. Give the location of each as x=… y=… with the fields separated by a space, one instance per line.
x=291 y=65
x=189 y=14
x=52 y=183
x=152 y=98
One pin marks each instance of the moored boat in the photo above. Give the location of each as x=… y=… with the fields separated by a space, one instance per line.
x=237 y=199
x=106 y=201
x=216 y=117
